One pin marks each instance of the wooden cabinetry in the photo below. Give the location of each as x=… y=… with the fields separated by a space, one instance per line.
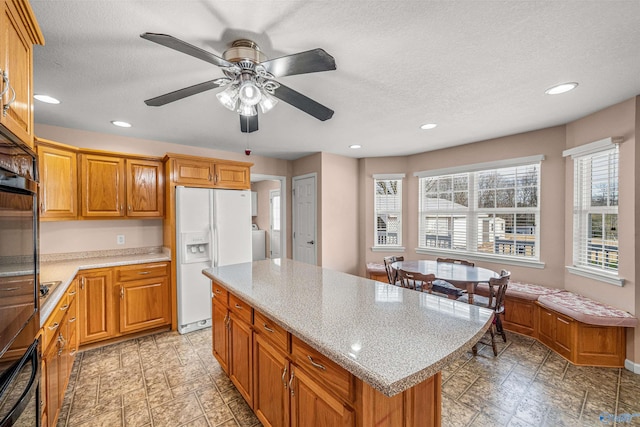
x=97 y=317
x=19 y=33
x=122 y=300
x=271 y=369
x=60 y=346
x=58 y=181
x=144 y=297
x=116 y=187
x=213 y=173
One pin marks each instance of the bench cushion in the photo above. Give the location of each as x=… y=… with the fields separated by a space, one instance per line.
x=374 y=267
x=527 y=291
x=586 y=310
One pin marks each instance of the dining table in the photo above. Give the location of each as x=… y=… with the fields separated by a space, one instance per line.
x=462 y=276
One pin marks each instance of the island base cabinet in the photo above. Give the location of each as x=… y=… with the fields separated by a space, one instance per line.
x=270 y=377
x=312 y=405
x=240 y=363
x=220 y=331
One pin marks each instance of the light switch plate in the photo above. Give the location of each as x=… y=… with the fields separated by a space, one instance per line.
x=120 y=239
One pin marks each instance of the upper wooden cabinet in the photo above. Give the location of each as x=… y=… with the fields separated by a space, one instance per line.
x=119 y=187
x=58 y=181
x=205 y=172
x=19 y=32
x=145 y=183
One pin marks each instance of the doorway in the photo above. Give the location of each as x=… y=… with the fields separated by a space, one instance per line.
x=273 y=222
x=304 y=219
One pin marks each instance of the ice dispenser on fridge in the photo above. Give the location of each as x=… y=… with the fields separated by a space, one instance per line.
x=196 y=247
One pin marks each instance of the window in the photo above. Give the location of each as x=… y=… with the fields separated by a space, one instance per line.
x=485 y=210
x=388 y=210
x=595 y=213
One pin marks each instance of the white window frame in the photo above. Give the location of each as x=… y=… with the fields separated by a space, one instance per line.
x=472 y=212
x=397 y=247
x=581 y=157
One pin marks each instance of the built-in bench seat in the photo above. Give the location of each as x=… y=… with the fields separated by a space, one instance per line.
x=376 y=271
x=584 y=331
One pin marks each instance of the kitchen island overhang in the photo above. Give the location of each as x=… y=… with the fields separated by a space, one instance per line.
x=390 y=338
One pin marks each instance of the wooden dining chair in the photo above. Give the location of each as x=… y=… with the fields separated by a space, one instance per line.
x=495 y=302
x=416 y=281
x=392 y=274
x=443 y=287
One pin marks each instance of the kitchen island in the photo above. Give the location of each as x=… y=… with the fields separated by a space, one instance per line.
x=306 y=345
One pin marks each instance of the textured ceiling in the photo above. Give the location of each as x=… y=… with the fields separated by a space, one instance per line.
x=476 y=68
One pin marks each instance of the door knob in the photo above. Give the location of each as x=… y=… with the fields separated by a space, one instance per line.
x=311 y=242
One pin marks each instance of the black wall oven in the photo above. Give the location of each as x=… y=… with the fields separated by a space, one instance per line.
x=19 y=289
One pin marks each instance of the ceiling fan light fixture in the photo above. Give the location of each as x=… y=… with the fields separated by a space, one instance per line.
x=249 y=93
x=247 y=110
x=267 y=102
x=228 y=97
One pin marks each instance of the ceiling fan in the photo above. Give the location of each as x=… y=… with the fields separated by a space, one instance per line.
x=249 y=79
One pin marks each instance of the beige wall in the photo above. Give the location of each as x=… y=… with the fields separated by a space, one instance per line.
x=340 y=213
x=617 y=120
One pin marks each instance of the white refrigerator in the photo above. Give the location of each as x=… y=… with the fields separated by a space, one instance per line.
x=213 y=228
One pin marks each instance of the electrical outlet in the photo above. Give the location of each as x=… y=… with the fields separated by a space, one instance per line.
x=120 y=239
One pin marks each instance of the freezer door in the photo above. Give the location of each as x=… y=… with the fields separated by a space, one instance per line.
x=232 y=227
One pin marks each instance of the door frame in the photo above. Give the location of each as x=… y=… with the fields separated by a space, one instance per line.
x=271 y=195
x=313 y=175
x=283 y=207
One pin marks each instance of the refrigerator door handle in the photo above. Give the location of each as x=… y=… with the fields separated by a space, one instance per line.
x=214 y=246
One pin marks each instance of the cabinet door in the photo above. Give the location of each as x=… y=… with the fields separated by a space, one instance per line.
x=16 y=61
x=192 y=171
x=220 y=318
x=144 y=304
x=240 y=356
x=145 y=188
x=51 y=360
x=232 y=176
x=102 y=186
x=270 y=376
x=96 y=306
x=313 y=406
x=58 y=183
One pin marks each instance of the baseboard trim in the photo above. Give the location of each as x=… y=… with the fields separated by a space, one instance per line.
x=631 y=366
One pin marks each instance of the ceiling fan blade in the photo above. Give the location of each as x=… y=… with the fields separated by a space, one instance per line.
x=248 y=124
x=184 y=47
x=303 y=103
x=181 y=93
x=311 y=61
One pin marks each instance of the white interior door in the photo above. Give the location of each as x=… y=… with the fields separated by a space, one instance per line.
x=304 y=219
x=275 y=223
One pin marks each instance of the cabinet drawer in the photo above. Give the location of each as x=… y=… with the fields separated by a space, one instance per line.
x=51 y=326
x=141 y=271
x=240 y=308
x=320 y=367
x=220 y=294
x=72 y=290
x=278 y=336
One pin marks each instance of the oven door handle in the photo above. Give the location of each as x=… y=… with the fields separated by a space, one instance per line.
x=31 y=356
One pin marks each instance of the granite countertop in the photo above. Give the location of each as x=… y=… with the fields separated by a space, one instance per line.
x=64 y=270
x=390 y=337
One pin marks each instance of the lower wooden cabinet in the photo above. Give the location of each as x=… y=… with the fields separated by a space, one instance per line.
x=60 y=346
x=123 y=300
x=271 y=369
x=220 y=330
x=240 y=356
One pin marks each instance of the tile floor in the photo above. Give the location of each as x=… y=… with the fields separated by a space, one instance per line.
x=172 y=380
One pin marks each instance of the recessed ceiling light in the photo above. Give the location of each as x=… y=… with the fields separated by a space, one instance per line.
x=355 y=146
x=428 y=126
x=561 y=88
x=47 y=99
x=120 y=124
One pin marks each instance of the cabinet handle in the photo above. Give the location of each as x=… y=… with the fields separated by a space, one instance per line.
x=54 y=326
x=41 y=208
x=210 y=177
x=284 y=377
x=73 y=352
x=215 y=177
x=73 y=319
x=10 y=289
x=82 y=283
x=120 y=207
x=317 y=365
x=238 y=306
x=143 y=272
x=129 y=208
x=122 y=292
x=8 y=104
x=266 y=328
x=5 y=80
x=64 y=307
x=226 y=320
x=71 y=293
x=293 y=374
x=218 y=291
